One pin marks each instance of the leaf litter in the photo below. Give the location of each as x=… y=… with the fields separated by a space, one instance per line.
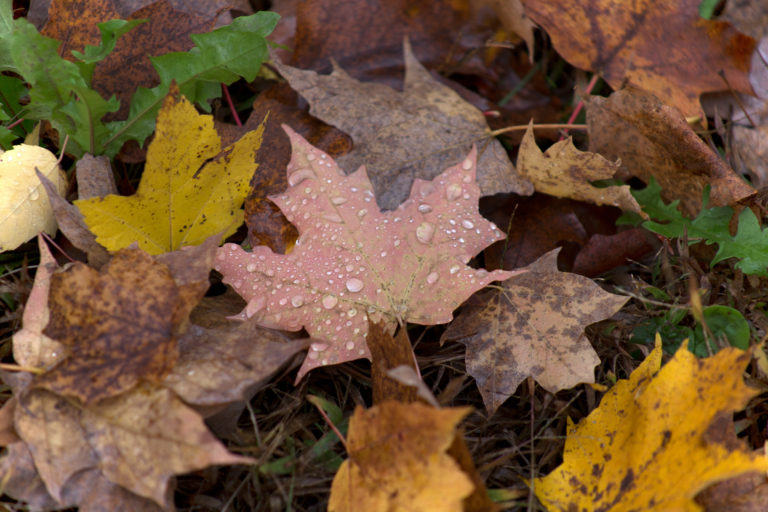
x=87 y=426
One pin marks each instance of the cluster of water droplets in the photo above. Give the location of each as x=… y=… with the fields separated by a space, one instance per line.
x=352 y=261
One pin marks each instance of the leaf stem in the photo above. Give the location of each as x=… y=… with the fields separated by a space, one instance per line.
x=523 y=127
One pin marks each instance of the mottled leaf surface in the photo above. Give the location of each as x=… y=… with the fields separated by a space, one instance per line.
x=352 y=262
x=532 y=326
x=398 y=461
x=657 y=438
x=403 y=136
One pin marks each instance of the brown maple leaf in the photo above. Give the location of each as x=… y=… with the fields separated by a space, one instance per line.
x=400 y=136
x=654 y=140
x=533 y=325
x=662 y=47
x=352 y=262
x=119 y=324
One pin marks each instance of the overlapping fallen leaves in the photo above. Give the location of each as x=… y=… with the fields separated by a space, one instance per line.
x=116 y=380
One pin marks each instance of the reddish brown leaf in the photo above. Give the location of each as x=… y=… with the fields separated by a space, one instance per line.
x=128 y=66
x=408 y=135
x=388 y=352
x=118 y=325
x=368 y=47
x=621 y=42
x=351 y=261
x=654 y=140
x=532 y=327
x=266 y=224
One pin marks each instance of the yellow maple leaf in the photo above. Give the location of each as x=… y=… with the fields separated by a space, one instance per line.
x=656 y=439
x=398 y=461
x=189 y=191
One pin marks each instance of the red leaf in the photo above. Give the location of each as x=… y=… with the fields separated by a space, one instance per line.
x=352 y=261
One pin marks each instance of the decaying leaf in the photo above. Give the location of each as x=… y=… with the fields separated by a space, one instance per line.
x=138 y=440
x=217 y=366
x=403 y=136
x=120 y=325
x=654 y=140
x=621 y=42
x=398 y=461
x=190 y=188
x=564 y=171
x=532 y=326
x=24 y=207
x=352 y=262
x=656 y=439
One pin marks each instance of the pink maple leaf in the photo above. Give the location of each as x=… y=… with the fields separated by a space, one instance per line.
x=352 y=262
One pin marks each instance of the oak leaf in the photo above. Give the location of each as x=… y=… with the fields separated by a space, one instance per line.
x=564 y=171
x=352 y=262
x=532 y=326
x=656 y=439
x=667 y=49
x=654 y=140
x=403 y=136
x=190 y=189
x=398 y=461
x=24 y=208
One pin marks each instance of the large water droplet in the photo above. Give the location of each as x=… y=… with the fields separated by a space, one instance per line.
x=467 y=224
x=350 y=345
x=432 y=277
x=339 y=200
x=466 y=164
x=354 y=285
x=300 y=175
x=319 y=347
x=454 y=269
x=297 y=301
x=361 y=213
x=453 y=191
x=424 y=208
x=424 y=232
x=333 y=217
x=251 y=267
x=329 y=301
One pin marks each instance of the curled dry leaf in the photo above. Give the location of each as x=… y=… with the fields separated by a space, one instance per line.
x=403 y=136
x=24 y=208
x=564 y=171
x=654 y=140
x=398 y=461
x=656 y=439
x=532 y=326
x=32 y=348
x=621 y=42
x=352 y=262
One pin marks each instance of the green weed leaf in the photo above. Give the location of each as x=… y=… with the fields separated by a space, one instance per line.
x=749 y=245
